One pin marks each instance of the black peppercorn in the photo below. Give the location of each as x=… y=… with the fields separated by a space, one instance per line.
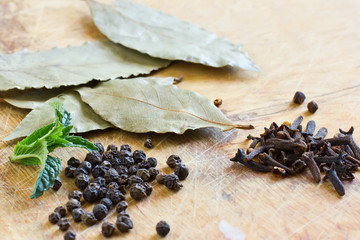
x=86 y=165
x=122 y=189
x=69 y=171
x=143 y=174
x=134 y=179
x=74 y=162
x=106 y=164
x=75 y=195
x=112 y=185
x=139 y=156
x=121 y=206
x=173 y=160
x=132 y=170
x=100 y=181
x=125 y=147
x=122 y=170
x=107 y=156
x=107 y=202
x=54 y=217
x=111 y=175
x=80 y=171
x=72 y=204
x=123 y=179
x=148 y=143
x=171 y=181
x=111 y=147
x=70 y=235
x=100 y=211
x=123 y=214
x=91 y=193
x=61 y=210
x=100 y=148
x=64 y=224
x=299 y=97
x=57 y=184
x=115 y=162
x=102 y=192
x=182 y=171
x=152 y=161
x=137 y=191
x=115 y=196
x=153 y=173
x=312 y=107
x=82 y=181
x=145 y=164
x=162 y=228
x=88 y=218
x=107 y=229
x=77 y=213
x=98 y=171
x=124 y=223
x=160 y=178
x=94 y=157
x=148 y=188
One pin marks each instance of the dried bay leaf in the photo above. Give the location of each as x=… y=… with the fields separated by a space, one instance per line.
x=73 y=66
x=161 y=35
x=84 y=119
x=153 y=105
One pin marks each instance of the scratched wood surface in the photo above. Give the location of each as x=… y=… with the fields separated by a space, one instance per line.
x=305 y=45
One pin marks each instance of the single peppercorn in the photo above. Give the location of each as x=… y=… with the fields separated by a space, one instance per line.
x=107 y=229
x=162 y=228
x=122 y=170
x=112 y=185
x=121 y=206
x=144 y=174
x=123 y=214
x=115 y=162
x=61 y=210
x=124 y=223
x=57 y=184
x=132 y=170
x=299 y=97
x=82 y=181
x=111 y=175
x=145 y=164
x=91 y=193
x=122 y=189
x=86 y=165
x=106 y=164
x=54 y=217
x=152 y=161
x=111 y=147
x=102 y=192
x=94 y=157
x=171 y=181
x=153 y=173
x=98 y=171
x=218 y=102
x=77 y=213
x=137 y=191
x=79 y=171
x=182 y=171
x=72 y=204
x=123 y=179
x=148 y=143
x=64 y=224
x=139 y=156
x=115 y=196
x=148 y=188
x=100 y=211
x=70 y=235
x=312 y=107
x=69 y=171
x=100 y=181
x=75 y=195
x=160 y=178
x=74 y=162
x=173 y=160
x=88 y=218
x=125 y=147
x=134 y=179
x=107 y=202
x=100 y=147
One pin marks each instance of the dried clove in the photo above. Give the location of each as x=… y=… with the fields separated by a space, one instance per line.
x=334 y=179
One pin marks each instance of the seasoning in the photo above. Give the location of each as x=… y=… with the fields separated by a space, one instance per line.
x=160 y=178
x=100 y=181
x=137 y=191
x=102 y=192
x=153 y=173
x=124 y=223
x=61 y=210
x=171 y=181
x=64 y=224
x=86 y=165
x=111 y=175
x=173 y=160
x=94 y=157
x=134 y=179
x=73 y=162
x=70 y=235
x=69 y=171
x=98 y=171
x=115 y=196
x=54 y=217
x=75 y=195
x=312 y=107
x=107 y=229
x=82 y=181
x=123 y=214
x=80 y=170
x=100 y=147
x=144 y=174
x=125 y=147
x=148 y=143
x=111 y=147
x=107 y=202
x=72 y=204
x=88 y=218
x=218 y=102
x=139 y=156
x=152 y=161
x=100 y=211
x=299 y=97
x=182 y=171
x=162 y=228
x=148 y=188
x=77 y=213
x=112 y=185
x=121 y=206
x=91 y=193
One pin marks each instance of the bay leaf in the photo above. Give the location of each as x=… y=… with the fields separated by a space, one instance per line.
x=153 y=105
x=73 y=66
x=84 y=119
x=161 y=35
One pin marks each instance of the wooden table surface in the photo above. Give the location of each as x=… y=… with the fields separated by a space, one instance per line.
x=306 y=45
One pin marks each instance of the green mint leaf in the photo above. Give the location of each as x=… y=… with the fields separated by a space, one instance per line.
x=76 y=141
x=34 y=154
x=47 y=176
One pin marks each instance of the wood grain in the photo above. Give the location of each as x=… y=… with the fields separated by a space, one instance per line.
x=304 y=45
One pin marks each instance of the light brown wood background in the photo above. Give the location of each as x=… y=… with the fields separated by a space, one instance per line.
x=305 y=45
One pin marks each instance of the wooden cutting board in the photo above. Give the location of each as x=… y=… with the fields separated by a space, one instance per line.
x=306 y=45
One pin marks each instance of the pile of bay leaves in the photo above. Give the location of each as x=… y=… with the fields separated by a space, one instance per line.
x=97 y=81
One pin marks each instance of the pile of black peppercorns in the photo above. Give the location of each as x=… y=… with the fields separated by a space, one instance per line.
x=104 y=177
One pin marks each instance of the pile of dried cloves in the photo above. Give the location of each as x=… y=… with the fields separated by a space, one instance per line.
x=288 y=149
